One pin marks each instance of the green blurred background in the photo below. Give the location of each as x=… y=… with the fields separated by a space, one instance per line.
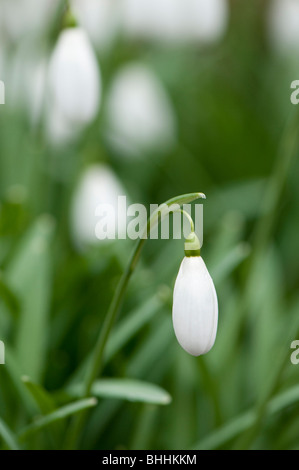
x=232 y=134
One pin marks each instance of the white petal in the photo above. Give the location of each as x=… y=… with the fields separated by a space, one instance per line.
x=195 y=307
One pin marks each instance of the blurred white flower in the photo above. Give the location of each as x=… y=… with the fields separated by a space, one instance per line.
x=195 y=307
x=284 y=24
x=175 y=20
x=28 y=18
x=74 y=77
x=139 y=113
x=98 y=185
x=100 y=18
x=208 y=19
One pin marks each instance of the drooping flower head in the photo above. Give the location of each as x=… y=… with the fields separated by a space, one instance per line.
x=195 y=305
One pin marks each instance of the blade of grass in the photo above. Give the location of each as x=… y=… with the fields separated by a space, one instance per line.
x=8 y=436
x=157 y=344
x=123 y=332
x=29 y=275
x=145 y=427
x=13 y=371
x=9 y=297
x=126 y=389
x=230 y=262
x=46 y=405
x=58 y=415
x=43 y=399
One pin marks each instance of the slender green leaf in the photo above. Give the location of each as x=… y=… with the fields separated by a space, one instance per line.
x=154 y=347
x=58 y=415
x=8 y=436
x=126 y=329
x=8 y=296
x=126 y=389
x=123 y=332
x=29 y=276
x=175 y=201
x=185 y=199
x=230 y=262
x=12 y=369
x=46 y=405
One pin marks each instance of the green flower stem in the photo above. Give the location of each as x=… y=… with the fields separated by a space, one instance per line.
x=189 y=218
x=192 y=245
x=97 y=359
x=96 y=366
x=120 y=291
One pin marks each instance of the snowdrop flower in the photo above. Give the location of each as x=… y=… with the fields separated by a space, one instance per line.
x=100 y=18
x=74 y=77
x=98 y=185
x=139 y=114
x=26 y=17
x=284 y=24
x=195 y=305
x=175 y=20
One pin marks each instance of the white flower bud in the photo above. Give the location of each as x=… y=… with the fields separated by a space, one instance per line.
x=175 y=20
x=26 y=18
x=195 y=307
x=74 y=77
x=139 y=113
x=284 y=25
